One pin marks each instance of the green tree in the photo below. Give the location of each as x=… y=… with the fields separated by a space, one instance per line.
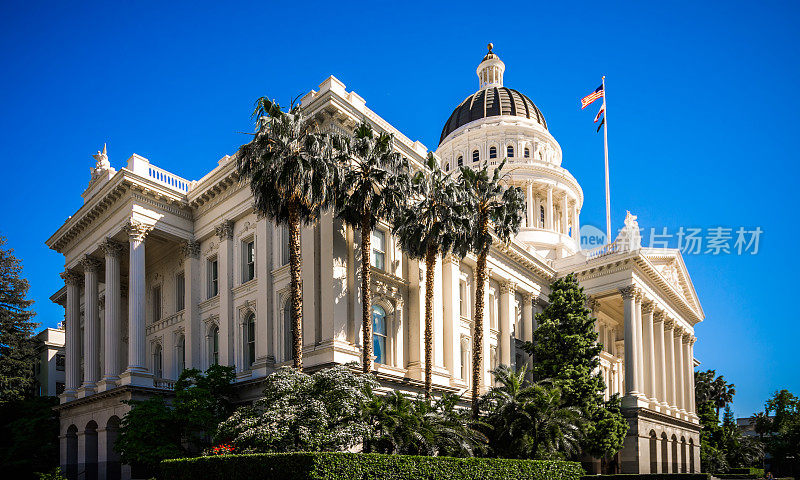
x=565 y=351
x=373 y=187
x=422 y=426
x=155 y=429
x=16 y=328
x=740 y=450
x=525 y=420
x=495 y=209
x=291 y=172
x=434 y=223
x=301 y=412
x=779 y=428
x=721 y=393
x=28 y=437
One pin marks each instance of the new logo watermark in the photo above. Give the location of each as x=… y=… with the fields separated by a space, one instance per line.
x=592 y=237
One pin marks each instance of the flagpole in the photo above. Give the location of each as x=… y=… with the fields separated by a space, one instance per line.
x=605 y=149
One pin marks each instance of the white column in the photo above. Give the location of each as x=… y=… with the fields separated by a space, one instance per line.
x=91 y=325
x=227 y=328
x=529 y=203
x=73 y=329
x=576 y=224
x=113 y=252
x=649 y=352
x=565 y=214
x=660 y=363
x=679 y=372
x=640 y=344
x=507 y=293
x=692 y=406
x=537 y=206
x=192 y=275
x=527 y=316
x=632 y=388
x=136 y=373
x=451 y=276
x=487 y=353
x=548 y=217
x=669 y=344
x=688 y=375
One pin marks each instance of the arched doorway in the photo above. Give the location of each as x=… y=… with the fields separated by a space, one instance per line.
x=691 y=456
x=664 y=453
x=90 y=451
x=683 y=455
x=674 y=454
x=113 y=467
x=71 y=462
x=653 y=452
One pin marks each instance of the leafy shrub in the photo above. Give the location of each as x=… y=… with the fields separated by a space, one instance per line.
x=650 y=476
x=364 y=466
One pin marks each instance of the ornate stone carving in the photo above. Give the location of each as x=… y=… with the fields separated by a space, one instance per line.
x=90 y=264
x=659 y=316
x=190 y=249
x=225 y=230
x=628 y=292
x=508 y=287
x=669 y=324
x=452 y=259
x=101 y=301
x=137 y=230
x=648 y=307
x=72 y=278
x=593 y=304
x=111 y=247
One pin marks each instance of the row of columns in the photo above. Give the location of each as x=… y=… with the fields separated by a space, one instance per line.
x=659 y=357
x=569 y=211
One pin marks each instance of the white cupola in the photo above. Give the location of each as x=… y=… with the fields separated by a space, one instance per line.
x=490 y=71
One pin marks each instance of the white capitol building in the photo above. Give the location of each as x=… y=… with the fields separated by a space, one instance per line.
x=164 y=273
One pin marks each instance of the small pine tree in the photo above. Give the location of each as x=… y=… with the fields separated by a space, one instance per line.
x=16 y=328
x=565 y=351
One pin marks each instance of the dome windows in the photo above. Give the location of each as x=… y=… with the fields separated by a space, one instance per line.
x=476 y=156
x=527 y=152
x=492 y=152
x=510 y=151
x=460 y=161
x=447 y=167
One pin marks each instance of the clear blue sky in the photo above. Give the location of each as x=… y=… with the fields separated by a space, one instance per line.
x=702 y=97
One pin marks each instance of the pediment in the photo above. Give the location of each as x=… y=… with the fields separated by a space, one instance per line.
x=669 y=264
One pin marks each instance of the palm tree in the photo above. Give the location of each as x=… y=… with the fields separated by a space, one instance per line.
x=291 y=170
x=433 y=224
x=490 y=202
x=722 y=393
x=529 y=420
x=373 y=186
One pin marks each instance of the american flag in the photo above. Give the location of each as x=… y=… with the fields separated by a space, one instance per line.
x=588 y=99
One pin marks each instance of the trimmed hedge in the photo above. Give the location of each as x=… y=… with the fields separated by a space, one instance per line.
x=363 y=466
x=650 y=476
x=758 y=472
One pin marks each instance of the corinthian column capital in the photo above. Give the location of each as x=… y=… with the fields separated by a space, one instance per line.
x=628 y=292
x=90 y=264
x=71 y=278
x=137 y=230
x=225 y=230
x=508 y=287
x=111 y=247
x=648 y=307
x=190 y=249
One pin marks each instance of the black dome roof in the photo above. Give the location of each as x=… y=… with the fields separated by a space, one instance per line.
x=492 y=102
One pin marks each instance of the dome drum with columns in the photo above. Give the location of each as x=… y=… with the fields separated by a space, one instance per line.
x=497 y=123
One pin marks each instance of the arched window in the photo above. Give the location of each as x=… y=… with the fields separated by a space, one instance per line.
x=510 y=151
x=379 y=334
x=492 y=152
x=113 y=467
x=158 y=363
x=288 y=351
x=250 y=340
x=72 y=452
x=213 y=344
x=460 y=161
x=475 y=156
x=691 y=456
x=664 y=453
x=527 y=152
x=683 y=455
x=653 y=452
x=180 y=354
x=447 y=167
x=674 y=454
x=541 y=215
x=90 y=450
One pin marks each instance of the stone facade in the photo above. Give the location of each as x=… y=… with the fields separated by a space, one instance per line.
x=163 y=273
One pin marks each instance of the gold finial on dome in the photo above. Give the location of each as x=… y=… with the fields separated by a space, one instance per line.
x=490 y=47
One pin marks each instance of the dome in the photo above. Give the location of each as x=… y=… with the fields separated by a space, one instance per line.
x=491 y=102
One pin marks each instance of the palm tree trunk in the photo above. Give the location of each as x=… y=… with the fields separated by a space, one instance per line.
x=366 y=295
x=295 y=262
x=477 y=338
x=430 y=265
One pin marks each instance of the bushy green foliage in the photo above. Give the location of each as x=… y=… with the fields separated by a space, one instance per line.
x=526 y=420
x=364 y=466
x=650 y=476
x=28 y=437
x=402 y=425
x=301 y=412
x=154 y=429
x=779 y=427
x=565 y=351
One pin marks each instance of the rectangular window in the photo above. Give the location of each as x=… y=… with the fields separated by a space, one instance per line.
x=379 y=249
x=492 y=316
x=462 y=298
x=248 y=260
x=464 y=362
x=284 y=245
x=156 y=303
x=61 y=361
x=213 y=278
x=180 y=292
